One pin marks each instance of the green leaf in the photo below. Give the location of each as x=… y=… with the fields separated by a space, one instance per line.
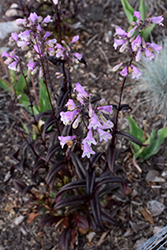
x=147 y=31
x=129 y=11
x=12 y=76
x=23 y=99
x=21 y=83
x=135 y=130
x=44 y=101
x=162 y=133
x=143 y=9
x=4 y=84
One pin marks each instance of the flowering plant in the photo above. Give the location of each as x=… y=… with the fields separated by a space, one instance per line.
x=79 y=178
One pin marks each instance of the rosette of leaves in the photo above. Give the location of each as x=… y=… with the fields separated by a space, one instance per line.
x=153 y=81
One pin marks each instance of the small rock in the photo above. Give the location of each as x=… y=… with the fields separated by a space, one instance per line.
x=157 y=229
x=7 y=28
x=18 y=220
x=155 y=207
x=139 y=243
x=12 y=10
x=154 y=176
x=90 y=236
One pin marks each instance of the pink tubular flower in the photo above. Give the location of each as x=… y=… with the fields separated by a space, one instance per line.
x=13 y=66
x=137 y=14
x=31 y=65
x=76 y=122
x=66 y=140
x=131 y=32
x=75 y=39
x=117 y=67
x=89 y=139
x=136 y=43
x=107 y=124
x=70 y=105
x=118 y=42
x=105 y=109
x=55 y=1
x=138 y=55
x=14 y=36
x=149 y=55
x=94 y=122
x=120 y=32
x=68 y=117
x=47 y=19
x=104 y=135
x=136 y=73
x=157 y=20
x=34 y=18
x=155 y=47
x=124 y=72
x=87 y=151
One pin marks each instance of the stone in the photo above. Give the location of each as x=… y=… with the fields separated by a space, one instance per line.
x=6 y=28
x=155 y=207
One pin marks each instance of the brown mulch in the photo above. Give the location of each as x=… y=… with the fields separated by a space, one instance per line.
x=99 y=19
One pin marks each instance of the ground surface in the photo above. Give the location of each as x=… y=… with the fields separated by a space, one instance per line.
x=98 y=22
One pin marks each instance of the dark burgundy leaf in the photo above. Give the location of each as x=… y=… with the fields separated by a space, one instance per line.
x=48 y=220
x=65 y=238
x=90 y=180
x=130 y=137
x=111 y=152
x=108 y=179
x=52 y=173
x=51 y=151
x=108 y=218
x=19 y=185
x=82 y=60
x=71 y=201
x=49 y=121
x=71 y=185
x=95 y=205
x=27 y=189
x=81 y=172
x=95 y=158
x=125 y=107
x=43 y=114
x=81 y=222
x=40 y=163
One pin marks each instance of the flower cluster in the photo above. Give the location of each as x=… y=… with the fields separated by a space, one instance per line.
x=38 y=40
x=135 y=45
x=95 y=120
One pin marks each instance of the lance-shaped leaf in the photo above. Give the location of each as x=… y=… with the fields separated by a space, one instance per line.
x=90 y=180
x=43 y=115
x=128 y=10
x=130 y=138
x=22 y=187
x=111 y=154
x=81 y=222
x=40 y=163
x=48 y=220
x=71 y=185
x=50 y=178
x=108 y=218
x=65 y=238
x=108 y=179
x=71 y=201
x=81 y=172
x=51 y=151
x=95 y=205
x=125 y=107
x=49 y=121
x=94 y=159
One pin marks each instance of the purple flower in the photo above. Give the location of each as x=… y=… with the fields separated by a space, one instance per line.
x=22 y=44
x=51 y=42
x=75 y=39
x=14 y=36
x=138 y=55
x=107 y=124
x=124 y=72
x=137 y=14
x=123 y=47
x=118 y=42
x=47 y=34
x=70 y=105
x=104 y=135
x=76 y=122
x=68 y=117
x=55 y=1
x=131 y=32
x=136 y=43
x=25 y=35
x=81 y=93
x=120 y=32
x=34 y=17
x=21 y=21
x=47 y=19
x=136 y=73
x=94 y=122
x=87 y=151
x=37 y=48
x=13 y=66
x=157 y=20
x=66 y=140
x=89 y=139
x=149 y=54
x=106 y=109
x=117 y=67
x=77 y=55
x=155 y=47
x=31 y=65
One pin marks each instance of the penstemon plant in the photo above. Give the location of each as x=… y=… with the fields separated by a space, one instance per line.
x=79 y=178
